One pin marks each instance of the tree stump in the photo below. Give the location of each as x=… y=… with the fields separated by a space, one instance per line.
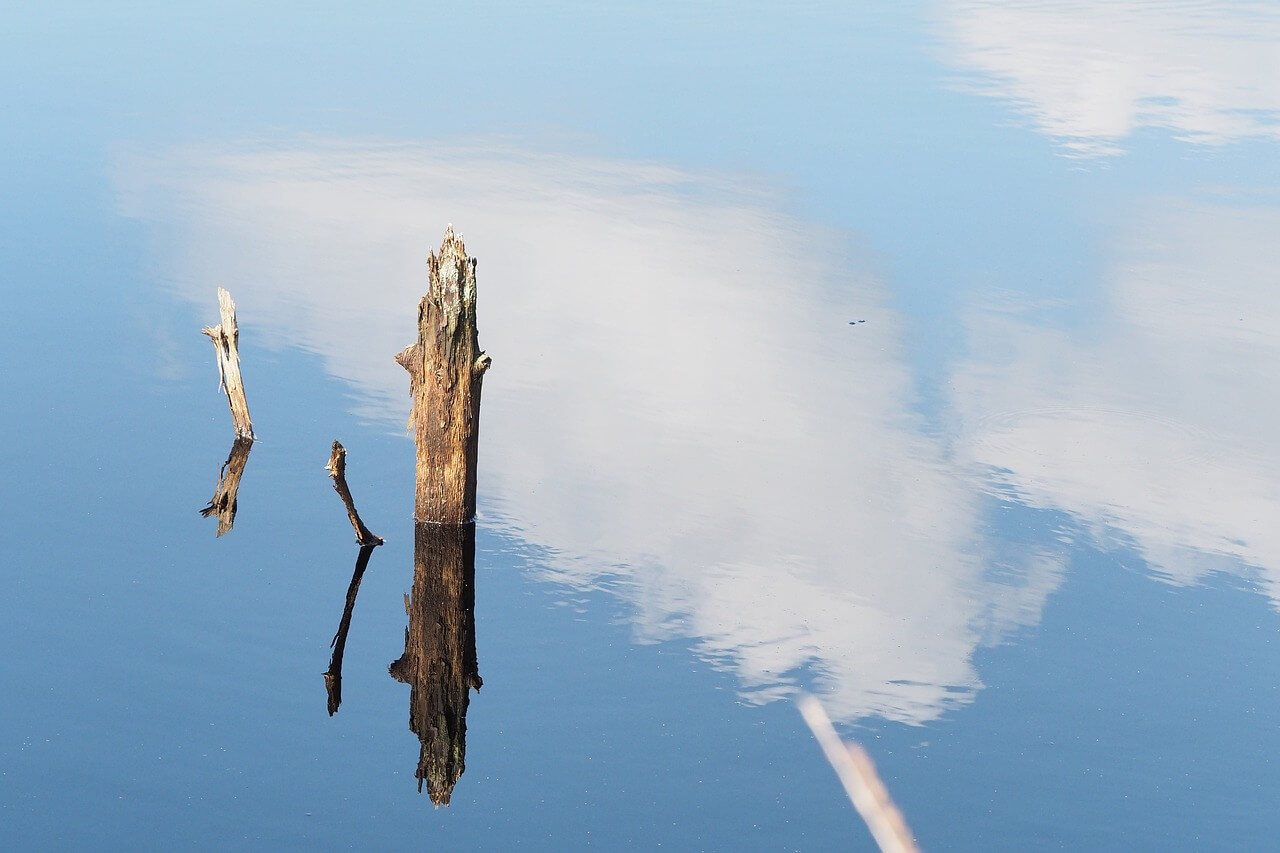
x=446 y=367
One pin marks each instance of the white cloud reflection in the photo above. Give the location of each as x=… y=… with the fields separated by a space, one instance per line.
x=1157 y=427
x=1091 y=73
x=678 y=407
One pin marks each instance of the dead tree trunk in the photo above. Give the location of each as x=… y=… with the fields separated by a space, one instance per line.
x=439 y=660
x=226 y=340
x=445 y=368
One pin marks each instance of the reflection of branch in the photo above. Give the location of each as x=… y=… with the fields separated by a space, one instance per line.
x=223 y=502
x=333 y=678
x=337 y=469
x=439 y=660
x=861 y=782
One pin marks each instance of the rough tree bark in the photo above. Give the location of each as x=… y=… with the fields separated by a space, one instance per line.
x=445 y=368
x=439 y=660
x=226 y=341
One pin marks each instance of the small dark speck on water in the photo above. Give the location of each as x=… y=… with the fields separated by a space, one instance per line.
x=856 y=322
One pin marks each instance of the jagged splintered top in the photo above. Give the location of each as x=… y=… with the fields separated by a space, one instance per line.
x=453 y=277
x=451 y=247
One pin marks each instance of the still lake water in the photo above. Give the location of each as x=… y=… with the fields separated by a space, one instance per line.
x=923 y=357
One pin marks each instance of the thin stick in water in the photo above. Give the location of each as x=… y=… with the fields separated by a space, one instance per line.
x=226 y=341
x=858 y=775
x=337 y=469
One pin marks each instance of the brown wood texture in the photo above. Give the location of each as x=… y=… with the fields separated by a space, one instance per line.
x=223 y=503
x=337 y=469
x=226 y=341
x=446 y=367
x=439 y=660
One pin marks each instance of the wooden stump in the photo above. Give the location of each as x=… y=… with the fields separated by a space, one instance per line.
x=226 y=341
x=439 y=660
x=445 y=368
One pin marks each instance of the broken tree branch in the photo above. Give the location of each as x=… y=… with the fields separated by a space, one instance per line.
x=226 y=340
x=337 y=469
x=861 y=782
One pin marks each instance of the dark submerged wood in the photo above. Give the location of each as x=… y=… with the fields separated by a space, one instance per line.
x=446 y=368
x=439 y=660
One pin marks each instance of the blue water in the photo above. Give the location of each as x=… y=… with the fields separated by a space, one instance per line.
x=1017 y=528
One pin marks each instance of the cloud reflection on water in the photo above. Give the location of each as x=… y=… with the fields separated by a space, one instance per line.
x=1090 y=74
x=1157 y=426
x=678 y=410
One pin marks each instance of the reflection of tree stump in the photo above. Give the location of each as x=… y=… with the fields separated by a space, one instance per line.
x=223 y=502
x=445 y=371
x=439 y=660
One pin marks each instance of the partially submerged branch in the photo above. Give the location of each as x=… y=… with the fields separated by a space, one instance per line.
x=226 y=340
x=223 y=502
x=861 y=782
x=337 y=469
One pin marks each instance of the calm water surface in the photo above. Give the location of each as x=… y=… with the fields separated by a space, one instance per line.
x=922 y=357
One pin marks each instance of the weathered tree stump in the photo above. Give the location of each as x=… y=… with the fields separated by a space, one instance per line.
x=439 y=660
x=223 y=503
x=445 y=368
x=226 y=341
x=337 y=469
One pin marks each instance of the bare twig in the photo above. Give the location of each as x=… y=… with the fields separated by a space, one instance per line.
x=337 y=469
x=858 y=775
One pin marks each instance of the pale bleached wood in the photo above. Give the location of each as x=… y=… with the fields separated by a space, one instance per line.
x=861 y=782
x=226 y=341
